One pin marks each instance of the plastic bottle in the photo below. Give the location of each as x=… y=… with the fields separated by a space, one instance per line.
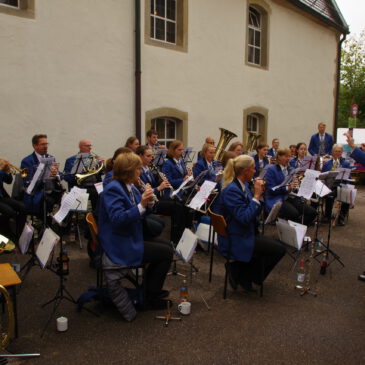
x=184 y=293
x=63 y=262
x=324 y=264
x=301 y=274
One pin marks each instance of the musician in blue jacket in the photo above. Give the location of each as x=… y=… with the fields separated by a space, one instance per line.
x=321 y=143
x=274 y=149
x=336 y=162
x=261 y=159
x=34 y=202
x=292 y=208
x=301 y=149
x=206 y=163
x=122 y=208
x=240 y=209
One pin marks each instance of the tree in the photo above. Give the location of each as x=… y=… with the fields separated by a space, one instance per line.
x=352 y=76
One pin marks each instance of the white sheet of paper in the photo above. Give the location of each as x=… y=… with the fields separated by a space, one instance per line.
x=291 y=233
x=321 y=189
x=307 y=185
x=35 y=178
x=67 y=203
x=45 y=247
x=81 y=202
x=202 y=233
x=3 y=239
x=25 y=238
x=177 y=191
x=99 y=187
x=187 y=245
x=343 y=173
x=346 y=195
x=202 y=195
x=300 y=230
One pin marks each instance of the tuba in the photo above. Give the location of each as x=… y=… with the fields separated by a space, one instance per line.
x=224 y=139
x=5 y=336
x=251 y=142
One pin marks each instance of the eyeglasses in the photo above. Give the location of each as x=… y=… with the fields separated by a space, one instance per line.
x=43 y=144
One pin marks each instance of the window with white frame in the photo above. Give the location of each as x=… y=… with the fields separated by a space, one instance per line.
x=166 y=129
x=254 y=36
x=253 y=123
x=163 y=20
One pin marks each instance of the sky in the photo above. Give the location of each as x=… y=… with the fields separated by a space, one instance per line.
x=354 y=13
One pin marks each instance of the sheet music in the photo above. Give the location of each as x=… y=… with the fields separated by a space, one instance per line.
x=3 y=239
x=321 y=189
x=177 y=191
x=78 y=166
x=202 y=233
x=35 y=178
x=291 y=233
x=202 y=195
x=346 y=195
x=159 y=157
x=307 y=185
x=186 y=246
x=99 y=187
x=45 y=247
x=25 y=238
x=81 y=202
x=343 y=173
x=67 y=203
x=274 y=212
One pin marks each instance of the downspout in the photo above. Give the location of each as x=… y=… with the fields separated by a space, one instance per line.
x=138 y=69
x=339 y=49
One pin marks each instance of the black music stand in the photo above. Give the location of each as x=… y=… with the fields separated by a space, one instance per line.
x=159 y=158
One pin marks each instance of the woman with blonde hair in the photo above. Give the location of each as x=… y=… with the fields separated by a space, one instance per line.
x=206 y=163
x=240 y=208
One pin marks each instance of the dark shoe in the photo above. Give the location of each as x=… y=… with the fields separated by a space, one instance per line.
x=247 y=288
x=341 y=221
x=158 y=304
x=163 y=294
x=232 y=280
x=361 y=277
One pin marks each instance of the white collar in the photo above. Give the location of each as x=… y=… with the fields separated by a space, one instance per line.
x=38 y=155
x=129 y=187
x=243 y=186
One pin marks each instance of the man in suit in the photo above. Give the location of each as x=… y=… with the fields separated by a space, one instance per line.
x=274 y=149
x=321 y=143
x=86 y=159
x=34 y=201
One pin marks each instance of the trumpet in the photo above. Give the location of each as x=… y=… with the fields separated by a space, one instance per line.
x=11 y=169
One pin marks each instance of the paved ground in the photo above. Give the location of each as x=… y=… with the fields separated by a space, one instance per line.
x=280 y=328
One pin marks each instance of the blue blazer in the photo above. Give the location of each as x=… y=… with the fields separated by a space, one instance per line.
x=257 y=164
x=271 y=152
x=7 y=179
x=172 y=172
x=328 y=165
x=120 y=225
x=274 y=177
x=314 y=144
x=67 y=170
x=149 y=178
x=239 y=211
x=202 y=165
x=358 y=155
x=107 y=178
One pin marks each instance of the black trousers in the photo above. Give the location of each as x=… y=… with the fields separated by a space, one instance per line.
x=329 y=206
x=158 y=255
x=267 y=253
x=294 y=208
x=15 y=209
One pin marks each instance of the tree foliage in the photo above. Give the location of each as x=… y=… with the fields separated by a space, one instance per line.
x=352 y=76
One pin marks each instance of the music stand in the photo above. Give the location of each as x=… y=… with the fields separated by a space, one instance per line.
x=188 y=155
x=159 y=158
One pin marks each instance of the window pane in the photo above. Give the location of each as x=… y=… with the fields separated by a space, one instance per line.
x=152 y=32
x=152 y=10
x=159 y=125
x=257 y=38
x=251 y=54
x=170 y=35
x=160 y=8
x=9 y=2
x=170 y=129
x=254 y=18
x=171 y=6
x=251 y=36
x=160 y=29
x=257 y=56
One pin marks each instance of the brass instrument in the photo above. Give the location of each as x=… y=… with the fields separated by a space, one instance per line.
x=11 y=169
x=5 y=336
x=224 y=139
x=90 y=169
x=251 y=142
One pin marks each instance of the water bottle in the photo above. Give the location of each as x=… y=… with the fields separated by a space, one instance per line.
x=184 y=294
x=301 y=274
x=324 y=264
x=63 y=262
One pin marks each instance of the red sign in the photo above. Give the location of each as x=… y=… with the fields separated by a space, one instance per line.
x=354 y=110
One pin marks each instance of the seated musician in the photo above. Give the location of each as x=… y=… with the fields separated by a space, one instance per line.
x=237 y=148
x=174 y=167
x=240 y=209
x=209 y=140
x=122 y=209
x=132 y=143
x=293 y=150
x=110 y=163
x=274 y=148
x=261 y=160
x=9 y=208
x=86 y=160
x=206 y=163
x=332 y=165
x=293 y=208
x=164 y=205
x=34 y=201
x=301 y=153
x=152 y=140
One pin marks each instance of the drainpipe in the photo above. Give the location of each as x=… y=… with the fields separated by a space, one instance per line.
x=338 y=81
x=138 y=69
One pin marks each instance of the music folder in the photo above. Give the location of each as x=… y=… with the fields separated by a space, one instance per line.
x=46 y=246
x=291 y=233
x=187 y=245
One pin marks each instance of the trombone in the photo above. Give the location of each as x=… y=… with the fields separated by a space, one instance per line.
x=11 y=169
